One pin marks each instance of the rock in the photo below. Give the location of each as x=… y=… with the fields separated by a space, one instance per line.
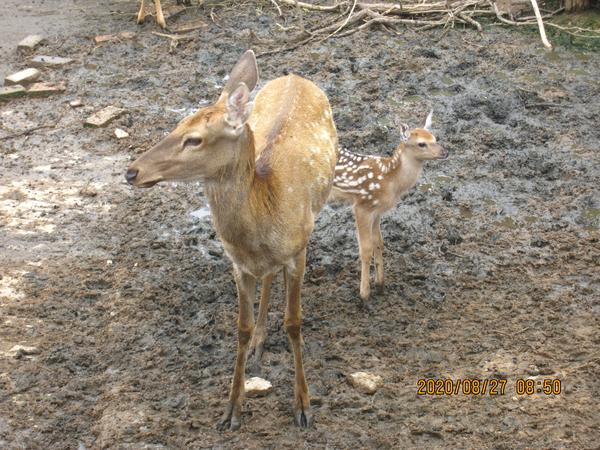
x=121 y=134
x=9 y=92
x=76 y=103
x=22 y=77
x=366 y=383
x=50 y=61
x=41 y=89
x=104 y=116
x=30 y=42
x=20 y=350
x=257 y=387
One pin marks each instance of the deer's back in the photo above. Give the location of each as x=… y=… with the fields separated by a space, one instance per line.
x=295 y=140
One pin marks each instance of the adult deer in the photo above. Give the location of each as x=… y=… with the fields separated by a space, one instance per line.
x=160 y=18
x=268 y=170
x=375 y=184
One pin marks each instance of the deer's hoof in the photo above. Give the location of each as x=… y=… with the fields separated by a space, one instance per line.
x=379 y=288
x=230 y=420
x=304 y=418
x=366 y=305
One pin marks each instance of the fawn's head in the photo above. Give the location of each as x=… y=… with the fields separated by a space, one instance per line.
x=420 y=143
x=204 y=142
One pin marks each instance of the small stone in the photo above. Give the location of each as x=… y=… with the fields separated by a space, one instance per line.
x=9 y=92
x=50 y=61
x=104 y=116
x=44 y=88
x=257 y=387
x=30 y=42
x=20 y=350
x=366 y=383
x=121 y=134
x=22 y=77
x=76 y=103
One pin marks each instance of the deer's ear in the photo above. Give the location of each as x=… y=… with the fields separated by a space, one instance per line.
x=238 y=107
x=404 y=131
x=427 y=125
x=245 y=71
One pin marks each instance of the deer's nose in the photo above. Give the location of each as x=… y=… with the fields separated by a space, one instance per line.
x=130 y=175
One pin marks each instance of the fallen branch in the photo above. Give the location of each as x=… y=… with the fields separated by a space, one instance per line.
x=540 y=23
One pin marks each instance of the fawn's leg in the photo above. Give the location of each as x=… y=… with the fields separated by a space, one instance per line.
x=246 y=286
x=260 y=331
x=293 y=277
x=141 y=15
x=378 y=241
x=364 y=229
x=160 y=19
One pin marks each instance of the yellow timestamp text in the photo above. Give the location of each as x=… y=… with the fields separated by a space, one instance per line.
x=491 y=386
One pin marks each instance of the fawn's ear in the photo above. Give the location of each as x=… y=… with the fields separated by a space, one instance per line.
x=238 y=108
x=245 y=71
x=404 y=131
x=427 y=125
x=403 y=128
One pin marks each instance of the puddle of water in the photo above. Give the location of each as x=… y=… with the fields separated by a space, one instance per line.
x=442 y=179
x=508 y=222
x=201 y=213
x=531 y=219
x=488 y=201
x=553 y=56
x=425 y=187
x=447 y=80
x=435 y=92
x=465 y=212
x=591 y=213
x=413 y=98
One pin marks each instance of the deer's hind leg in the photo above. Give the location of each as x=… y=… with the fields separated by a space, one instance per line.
x=260 y=331
x=246 y=286
x=364 y=231
x=378 y=252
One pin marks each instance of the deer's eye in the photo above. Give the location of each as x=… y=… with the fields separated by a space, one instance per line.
x=422 y=144
x=192 y=142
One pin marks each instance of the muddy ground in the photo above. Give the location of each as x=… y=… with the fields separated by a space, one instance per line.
x=491 y=261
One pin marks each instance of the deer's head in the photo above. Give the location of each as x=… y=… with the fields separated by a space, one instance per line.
x=206 y=141
x=420 y=143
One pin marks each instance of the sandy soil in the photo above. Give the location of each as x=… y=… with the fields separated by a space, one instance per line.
x=491 y=261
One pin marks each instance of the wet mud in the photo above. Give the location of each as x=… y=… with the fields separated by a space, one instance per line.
x=491 y=260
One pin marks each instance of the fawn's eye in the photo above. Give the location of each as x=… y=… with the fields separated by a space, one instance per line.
x=192 y=142
x=422 y=144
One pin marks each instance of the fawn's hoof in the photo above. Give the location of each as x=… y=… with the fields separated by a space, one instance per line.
x=304 y=417
x=379 y=288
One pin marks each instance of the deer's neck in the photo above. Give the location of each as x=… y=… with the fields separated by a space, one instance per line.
x=405 y=169
x=238 y=197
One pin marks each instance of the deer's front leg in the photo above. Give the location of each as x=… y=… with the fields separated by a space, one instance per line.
x=293 y=276
x=364 y=230
x=378 y=241
x=260 y=331
x=246 y=286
